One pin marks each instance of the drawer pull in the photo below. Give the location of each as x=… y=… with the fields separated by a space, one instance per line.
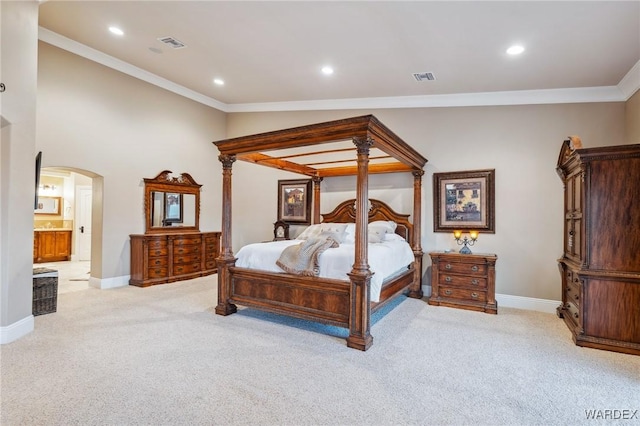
x=158 y=251
x=180 y=251
x=474 y=268
x=575 y=315
x=474 y=295
x=475 y=281
x=447 y=266
x=158 y=271
x=447 y=279
x=447 y=292
x=158 y=262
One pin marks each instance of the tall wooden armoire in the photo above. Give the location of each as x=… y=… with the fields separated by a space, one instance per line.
x=600 y=266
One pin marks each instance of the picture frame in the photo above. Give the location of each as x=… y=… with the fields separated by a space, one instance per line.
x=172 y=207
x=464 y=201
x=294 y=201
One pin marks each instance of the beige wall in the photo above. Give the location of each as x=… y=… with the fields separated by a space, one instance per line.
x=122 y=130
x=521 y=143
x=632 y=119
x=19 y=37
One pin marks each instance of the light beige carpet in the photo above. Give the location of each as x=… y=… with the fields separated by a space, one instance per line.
x=160 y=356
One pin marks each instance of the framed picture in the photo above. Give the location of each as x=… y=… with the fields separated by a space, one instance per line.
x=172 y=207
x=464 y=201
x=294 y=201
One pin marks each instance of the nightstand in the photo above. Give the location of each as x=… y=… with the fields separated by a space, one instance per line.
x=465 y=281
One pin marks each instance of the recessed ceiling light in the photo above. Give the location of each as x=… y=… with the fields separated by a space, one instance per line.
x=515 y=50
x=116 y=31
x=218 y=81
x=327 y=70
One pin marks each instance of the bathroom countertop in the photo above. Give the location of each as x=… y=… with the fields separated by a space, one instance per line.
x=52 y=229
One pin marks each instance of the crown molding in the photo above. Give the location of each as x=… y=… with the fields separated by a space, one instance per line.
x=87 y=52
x=630 y=83
x=620 y=93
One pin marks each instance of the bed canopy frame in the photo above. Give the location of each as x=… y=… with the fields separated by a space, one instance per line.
x=324 y=150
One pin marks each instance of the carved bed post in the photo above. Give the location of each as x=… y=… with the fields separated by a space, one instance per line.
x=316 y=198
x=360 y=276
x=226 y=258
x=415 y=290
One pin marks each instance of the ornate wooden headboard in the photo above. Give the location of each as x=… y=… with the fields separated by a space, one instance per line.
x=345 y=212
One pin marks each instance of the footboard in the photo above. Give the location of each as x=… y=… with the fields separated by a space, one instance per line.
x=309 y=298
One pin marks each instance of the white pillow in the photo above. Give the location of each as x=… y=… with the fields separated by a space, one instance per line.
x=310 y=231
x=377 y=233
x=393 y=237
x=333 y=227
x=389 y=225
x=350 y=234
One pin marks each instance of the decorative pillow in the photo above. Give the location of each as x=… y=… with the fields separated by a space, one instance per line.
x=333 y=227
x=393 y=237
x=350 y=234
x=377 y=233
x=310 y=231
x=338 y=237
x=389 y=225
x=336 y=231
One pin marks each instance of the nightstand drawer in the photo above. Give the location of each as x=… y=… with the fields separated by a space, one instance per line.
x=463 y=281
x=463 y=293
x=462 y=268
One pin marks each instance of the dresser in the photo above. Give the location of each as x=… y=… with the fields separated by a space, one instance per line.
x=51 y=245
x=465 y=281
x=600 y=264
x=170 y=257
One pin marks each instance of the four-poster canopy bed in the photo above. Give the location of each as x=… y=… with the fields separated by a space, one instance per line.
x=325 y=150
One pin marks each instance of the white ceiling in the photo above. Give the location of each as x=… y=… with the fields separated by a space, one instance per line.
x=270 y=53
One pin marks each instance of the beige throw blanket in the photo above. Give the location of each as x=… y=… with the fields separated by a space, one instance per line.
x=302 y=259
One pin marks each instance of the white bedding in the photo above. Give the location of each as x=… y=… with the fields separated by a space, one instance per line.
x=385 y=259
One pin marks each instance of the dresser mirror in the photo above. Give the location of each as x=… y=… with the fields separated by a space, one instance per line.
x=171 y=203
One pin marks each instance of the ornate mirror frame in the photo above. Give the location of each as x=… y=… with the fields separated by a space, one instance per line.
x=180 y=185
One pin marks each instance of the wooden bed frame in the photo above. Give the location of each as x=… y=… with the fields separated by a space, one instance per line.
x=342 y=303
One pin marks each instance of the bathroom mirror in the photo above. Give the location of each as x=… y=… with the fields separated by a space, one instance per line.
x=172 y=204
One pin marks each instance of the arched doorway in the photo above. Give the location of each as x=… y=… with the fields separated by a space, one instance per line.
x=79 y=215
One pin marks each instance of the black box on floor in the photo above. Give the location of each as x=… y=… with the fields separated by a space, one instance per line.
x=45 y=291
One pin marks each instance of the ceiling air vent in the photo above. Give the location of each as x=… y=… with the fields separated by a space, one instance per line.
x=422 y=76
x=172 y=42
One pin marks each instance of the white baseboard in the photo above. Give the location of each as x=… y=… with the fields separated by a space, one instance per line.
x=519 y=302
x=16 y=330
x=106 y=283
x=528 y=303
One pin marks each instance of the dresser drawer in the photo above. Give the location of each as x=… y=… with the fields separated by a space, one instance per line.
x=159 y=243
x=157 y=272
x=462 y=280
x=187 y=240
x=181 y=260
x=158 y=261
x=462 y=268
x=186 y=269
x=573 y=312
x=158 y=252
x=186 y=249
x=211 y=264
x=573 y=293
x=463 y=294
